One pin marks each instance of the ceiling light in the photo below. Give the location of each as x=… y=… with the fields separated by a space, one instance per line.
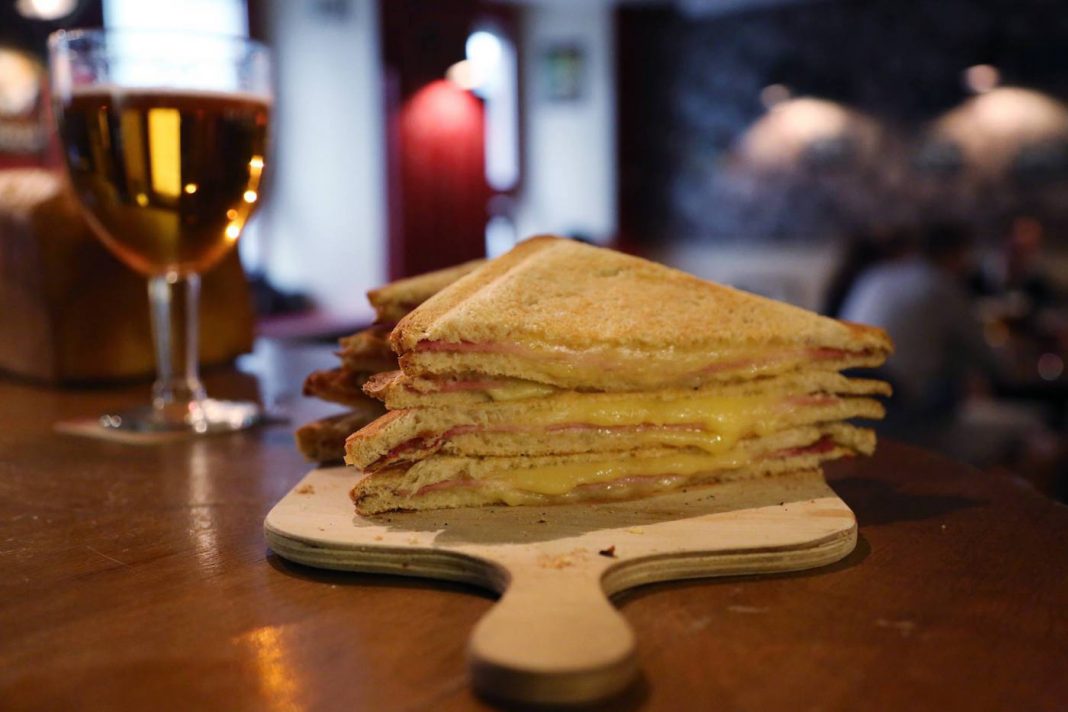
x=981 y=78
x=45 y=9
x=462 y=74
x=773 y=95
x=483 y=49
x=20 y=82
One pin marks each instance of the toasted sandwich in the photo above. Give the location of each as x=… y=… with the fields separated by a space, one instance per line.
x=564 y=372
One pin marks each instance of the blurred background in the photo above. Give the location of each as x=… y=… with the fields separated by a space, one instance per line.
x=901 y=164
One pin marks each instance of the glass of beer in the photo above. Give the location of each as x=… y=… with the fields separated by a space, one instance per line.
x=165 y=137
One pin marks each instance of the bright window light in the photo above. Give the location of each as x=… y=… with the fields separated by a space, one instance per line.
x=220 y=17
x=500 y=236
x=483 y=49
x=45 y=9
x=216 y=17
x=492 y=71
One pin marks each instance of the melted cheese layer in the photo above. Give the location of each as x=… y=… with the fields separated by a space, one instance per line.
x=713 y=423
x=560 y=479
x=519 y=391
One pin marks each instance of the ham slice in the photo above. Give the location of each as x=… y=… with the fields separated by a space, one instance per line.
x=756 y=359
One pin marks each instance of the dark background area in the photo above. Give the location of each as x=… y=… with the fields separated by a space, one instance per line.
x=690 y=85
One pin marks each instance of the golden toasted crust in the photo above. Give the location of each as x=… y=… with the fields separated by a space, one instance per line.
x=559 y=293
x=367 y=350
x=324 y=440
x=338 y=385
x=379 y=385
x=368 y=342
x=377 y=428
x=397 y=488
x=394 y=300
x=397 y=390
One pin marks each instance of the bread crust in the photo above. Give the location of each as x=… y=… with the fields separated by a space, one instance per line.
x=323 y=440
x=554 y=292
x=394 y=300
x=367 y=351
x=338 y=385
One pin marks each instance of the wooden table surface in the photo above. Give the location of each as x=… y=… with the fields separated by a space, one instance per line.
x=137 y=577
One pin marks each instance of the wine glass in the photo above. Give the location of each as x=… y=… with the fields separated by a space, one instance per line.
x=165 y=138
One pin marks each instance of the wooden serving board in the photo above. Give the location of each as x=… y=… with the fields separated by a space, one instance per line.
x=554 y=637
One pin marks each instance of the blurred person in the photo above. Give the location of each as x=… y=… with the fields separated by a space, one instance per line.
x=940 y=358
x=1016 y=269
x=1020 y=295
x=862 y=251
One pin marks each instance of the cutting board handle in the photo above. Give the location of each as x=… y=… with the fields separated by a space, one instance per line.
x=553 y=638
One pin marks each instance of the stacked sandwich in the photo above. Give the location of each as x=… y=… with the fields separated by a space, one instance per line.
x=363 y=355
x=562 y=372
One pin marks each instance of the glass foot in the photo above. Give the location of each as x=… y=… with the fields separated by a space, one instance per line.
x=212 y=416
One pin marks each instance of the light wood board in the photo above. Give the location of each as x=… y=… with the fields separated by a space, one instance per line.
x=554 y=636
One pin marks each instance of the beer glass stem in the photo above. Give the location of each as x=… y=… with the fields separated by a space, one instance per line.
x=177 y=394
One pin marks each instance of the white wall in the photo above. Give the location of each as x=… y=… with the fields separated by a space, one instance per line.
x=570 y=147
x=797 y=275
x=323 y=228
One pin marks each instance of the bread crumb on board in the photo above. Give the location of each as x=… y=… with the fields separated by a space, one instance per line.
x=561 y=561
x=305 y=489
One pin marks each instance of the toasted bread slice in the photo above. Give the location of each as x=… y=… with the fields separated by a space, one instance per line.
x=399 y=390
x=323 y=440
x=338 y=385
x=367 y=351
x=711 y=419
x=571 y=315
x=394 y=300
x=446 y=482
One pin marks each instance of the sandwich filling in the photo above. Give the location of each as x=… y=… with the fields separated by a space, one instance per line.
x=547 y=480
x=606 y=422
x=625 y=368
x=709 y=425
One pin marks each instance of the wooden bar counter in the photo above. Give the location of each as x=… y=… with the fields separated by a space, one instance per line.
x=137 y=577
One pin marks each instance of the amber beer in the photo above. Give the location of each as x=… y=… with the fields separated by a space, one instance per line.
x=169 y=178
